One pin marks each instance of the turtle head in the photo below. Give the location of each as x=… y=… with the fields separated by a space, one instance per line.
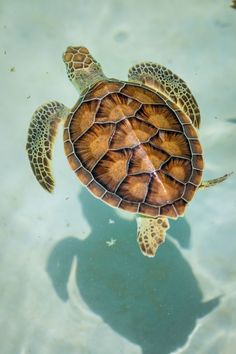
x=82 y=70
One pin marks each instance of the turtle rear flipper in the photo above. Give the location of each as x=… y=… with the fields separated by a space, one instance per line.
x=214 y=181
x=151 y=234
x=165 y=81
x=41 y=137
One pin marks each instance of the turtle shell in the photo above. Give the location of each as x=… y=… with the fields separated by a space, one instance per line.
x=134 y=149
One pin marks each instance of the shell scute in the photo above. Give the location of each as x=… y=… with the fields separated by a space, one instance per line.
x=79 y=126
x=175 y=144
x=116 y=107
x=130 y=133
x=189 y=191
x=141 y=94
x=180 y=206
x=96 y=189
x=146 y=159
x=84 y=176
x=102 y=89
x=160 y=117
x=163 y=189
x=169 y=210
x=180 y=169
x=129 y=206
x=147 y=209
x=112 y=169
x=134 y=188
x=112 y=199
x=94 y=144
x=197 y=161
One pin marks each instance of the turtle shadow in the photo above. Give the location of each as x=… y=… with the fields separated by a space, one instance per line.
x=181 y=231
x=153 y=303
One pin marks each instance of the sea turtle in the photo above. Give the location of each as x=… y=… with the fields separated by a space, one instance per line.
x=133 y=144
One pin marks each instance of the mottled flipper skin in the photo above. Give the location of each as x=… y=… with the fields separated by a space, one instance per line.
x=151 y=234
x=168 y=83
x=214 y=181
x=41 y=137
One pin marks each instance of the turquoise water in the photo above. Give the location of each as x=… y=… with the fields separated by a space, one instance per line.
x=63 y=289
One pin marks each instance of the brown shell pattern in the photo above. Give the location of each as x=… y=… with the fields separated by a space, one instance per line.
x=134 y=149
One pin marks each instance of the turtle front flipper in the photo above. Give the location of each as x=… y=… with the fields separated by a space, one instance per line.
x=41 y=137
x=213 y=182
x=151 y=234
x=166 y=82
